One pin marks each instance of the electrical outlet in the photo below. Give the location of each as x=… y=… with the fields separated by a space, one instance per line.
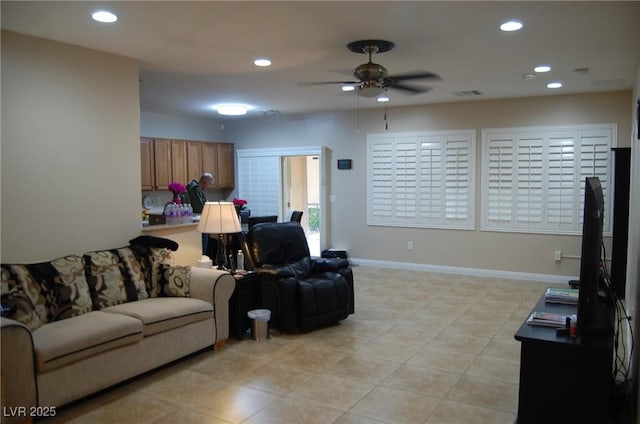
x=410 y=245
x=558 y=256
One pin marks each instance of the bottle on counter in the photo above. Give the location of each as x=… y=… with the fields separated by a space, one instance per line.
x=240 y=260
x=170 y=214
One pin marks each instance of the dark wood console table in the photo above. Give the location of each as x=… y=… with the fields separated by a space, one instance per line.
x=563 y=379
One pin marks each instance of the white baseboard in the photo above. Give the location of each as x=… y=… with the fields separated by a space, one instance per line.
x=493 y=273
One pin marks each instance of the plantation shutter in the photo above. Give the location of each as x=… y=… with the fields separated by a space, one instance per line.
x=533 y=178
x=421 y=179
x=259 y=183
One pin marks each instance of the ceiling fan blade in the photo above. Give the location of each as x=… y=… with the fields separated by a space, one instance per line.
x=415 y=75
x=409 y=88
x=327 y=83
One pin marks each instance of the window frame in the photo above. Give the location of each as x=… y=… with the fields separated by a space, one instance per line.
x=554 y=165
x=408 y=180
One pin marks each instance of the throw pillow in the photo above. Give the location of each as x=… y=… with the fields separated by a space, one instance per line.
x=106 y=277
x=24 y=296
x=175 y=281
x=69 y=287
x=134 y=271
x=159 y=260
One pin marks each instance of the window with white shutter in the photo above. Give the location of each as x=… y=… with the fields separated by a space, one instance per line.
x=533 y=178
x=259 y=182
x=421 y=179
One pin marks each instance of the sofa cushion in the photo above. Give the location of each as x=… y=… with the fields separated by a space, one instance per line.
x=175 y=281
x=159 y=259
x=46 y=291
x=107 y=279
x=26 y=297
x=71 y=295
x=166 y=313
x=63 y=342
x=153 y=261
x=134 y=271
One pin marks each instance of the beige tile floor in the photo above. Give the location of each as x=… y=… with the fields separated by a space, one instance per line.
x=421 y=348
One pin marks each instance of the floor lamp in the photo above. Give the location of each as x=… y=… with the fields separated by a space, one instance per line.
x=219 y=218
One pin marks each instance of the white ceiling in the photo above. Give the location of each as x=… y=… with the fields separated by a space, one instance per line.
x=195 y=54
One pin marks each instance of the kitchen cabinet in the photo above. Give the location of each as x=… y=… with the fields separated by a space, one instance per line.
x=164 y=161
x=179 y=161
x=218 y=159
x=210 y=160
x=194 y=160
x=147 y=167
x=226 y=166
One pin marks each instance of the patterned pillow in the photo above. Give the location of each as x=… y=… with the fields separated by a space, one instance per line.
x=106 y=276
x=134 y=270
x=175 y=281
x=46 y=291
x=160 y=259
x=25 y=297
x=70 y=288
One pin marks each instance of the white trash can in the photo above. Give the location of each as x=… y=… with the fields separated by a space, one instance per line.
x=260 y=324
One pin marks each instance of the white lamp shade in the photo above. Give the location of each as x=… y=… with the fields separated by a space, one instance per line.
x=219 y=218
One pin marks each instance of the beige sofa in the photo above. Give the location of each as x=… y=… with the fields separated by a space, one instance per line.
x=80 y=324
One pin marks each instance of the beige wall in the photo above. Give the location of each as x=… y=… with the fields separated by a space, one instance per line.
x=70 y=149
x=524 y=253
x=170 y=126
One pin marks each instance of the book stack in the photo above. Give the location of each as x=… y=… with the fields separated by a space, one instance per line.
x=548 y=319
x=559 y=295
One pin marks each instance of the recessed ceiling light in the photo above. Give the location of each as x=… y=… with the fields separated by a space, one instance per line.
x=542 y=68
x=262 y=61
x=232 y=109
x=383 y=98
x=347 y=87
x=528 y=76
x=511 y=26
x=554 y=84
x=104 y=16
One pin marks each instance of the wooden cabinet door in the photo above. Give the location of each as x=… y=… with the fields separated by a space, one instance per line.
x=210 y=160
x=194 y=160
x=179 y=161
x=226 y=165
x=146 y=164
x=162 y=163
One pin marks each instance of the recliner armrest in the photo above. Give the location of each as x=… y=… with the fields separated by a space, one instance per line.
x=328 y=264
x=275 y=271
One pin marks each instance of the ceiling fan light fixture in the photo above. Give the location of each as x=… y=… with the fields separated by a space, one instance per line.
x=370 y=89
x=348 y=87
x=383 y=98
x=232 y=109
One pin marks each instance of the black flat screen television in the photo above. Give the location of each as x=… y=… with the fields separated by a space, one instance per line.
x=592 y=315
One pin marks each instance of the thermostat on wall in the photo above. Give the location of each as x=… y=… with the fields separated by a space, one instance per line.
x=344 y=163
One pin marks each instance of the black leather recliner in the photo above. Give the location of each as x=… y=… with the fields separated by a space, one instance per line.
x=303 y=293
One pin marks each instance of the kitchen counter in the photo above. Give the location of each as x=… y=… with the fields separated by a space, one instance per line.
x=148 y=228
x=186 y=235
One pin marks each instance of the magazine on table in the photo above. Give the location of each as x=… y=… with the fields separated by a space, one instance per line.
x=548 y=319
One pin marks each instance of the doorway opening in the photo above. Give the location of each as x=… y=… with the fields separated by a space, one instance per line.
x=301 y=192
x=277 y=181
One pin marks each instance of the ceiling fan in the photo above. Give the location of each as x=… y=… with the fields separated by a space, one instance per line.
x=373 y=78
